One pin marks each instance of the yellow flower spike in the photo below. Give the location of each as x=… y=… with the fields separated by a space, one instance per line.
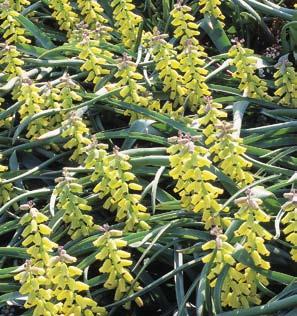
x=74 y=207
x=35 y=232
x=210 y=113
x=168 y=67
x=64 y=14
x=290 y=221
x=18 y=5
x=9 y=57
x=185 y=26
x=68 y=92
x=192 y=56
x=126 y=21
x=51 y=97
x=67 y=289
x=212 y=7
x=131 y=90
x=33 y=284
x=191 y=62
x=6 y=190
x=189 y=166
x=235 y=289
x=117 y=182
x=92 y=12
x=93 y=56
x=255 y=236
x=222 y=253
x=115 y=264
x=31 y=102
x=14 y=33
x=227 y=150
x=76 y=129
x=245 y=63
x=286 y=83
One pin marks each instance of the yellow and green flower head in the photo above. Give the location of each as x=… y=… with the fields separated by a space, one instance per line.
x=14 y=33
x=64 y=15
x=212 y=8
x=286 y=83
x=190 y=167
x=131 y=90
x=35 y=235
x=210 y=113
x=67 y=289
x=228 y=151
x=255 y=235
x=246 y=65
x=115 y=264
x=68 y=92
x=51 y=97
x=92 y=12
x=29 y=96
x=192 y=60
x=290 y=221
x=221 y=254
x=76 y=131
x=253 y=240
x=18 y=5
x=74 y=207
x=117 y=182
x=6 y=190
x=126 y=21
x=35 y=284
x=168 y=67
x=31 y=103
x=94 y=57
x=11 y=61
x=185 y=26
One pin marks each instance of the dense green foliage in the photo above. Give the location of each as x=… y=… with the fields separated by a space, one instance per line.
x=148 y=157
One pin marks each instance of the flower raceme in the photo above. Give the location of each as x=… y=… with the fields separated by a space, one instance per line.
x=48 y=280
x=32 y=276
x=235 y=288
x=252 y=215
x=10 y=58
x=212 y=8
x=117 y=183
x=14 y=33
x=74 y=207
x=253 y=240
x=210 y=115
x=246 y=65
x=192 y=55
x=35 y=285
x=290 y=221
x=36 y=235
x=131 y=90
x=76 y=130
x=92 y=12
x=67 y=289
x=115 y=264
x=64 y=14
x=6 y=190
x=228 y=152
x=194 y=75
x=168 y=67
x=190 y=167
x=68 y=92
x=29 y=95
x=183 y=21
x=126 y=21
x=94 y=57
x=286 y=83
